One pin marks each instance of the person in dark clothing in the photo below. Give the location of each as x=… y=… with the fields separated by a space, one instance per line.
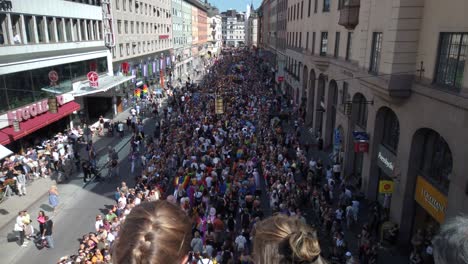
x=47 y=233
x=86 y=166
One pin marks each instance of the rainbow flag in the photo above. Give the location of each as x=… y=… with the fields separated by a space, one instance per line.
x=145 y=89
x=137 y=92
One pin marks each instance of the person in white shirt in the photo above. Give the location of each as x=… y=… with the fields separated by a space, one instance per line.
x=240 y=242
x=98 y=223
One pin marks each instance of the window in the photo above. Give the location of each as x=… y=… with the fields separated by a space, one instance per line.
x=128 y=48
x=134 y=47
x=344 y=95
x=337 y=45
x=300 y=39
x=138 y=27
x=340 y=4
x=60 y=29
x=453 y=50
x=131 y=27
x=316 y=6
x=126 y=27
x=323 y=44
x=119 y=26
x=307 y=41
x=376 y=50
x=391 y=131
x=121 y=50
x=294 y=12
x=40 y=29
x=360 y=103
x=117 y=4
x=289 y=14
x=313 y=43
x=349 y=45
x=302 y=9
x=310 y=7
x=51 y=26
x=130 y=5
x=326 y=6
x=436 y=160
x=124 y=5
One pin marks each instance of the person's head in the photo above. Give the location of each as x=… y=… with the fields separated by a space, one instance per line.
x=451 y=243
x=283 y=239
x=154 y=232
x=41 y=213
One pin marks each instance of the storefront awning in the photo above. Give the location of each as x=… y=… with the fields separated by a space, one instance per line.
x=105 y=82
x=8 y=135
x=4 y=152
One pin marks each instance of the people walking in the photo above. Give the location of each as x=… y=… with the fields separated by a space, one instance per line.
x=53 y=197
x=19 y=227
x=47 y=233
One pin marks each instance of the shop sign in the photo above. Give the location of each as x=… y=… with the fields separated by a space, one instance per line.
x=29 y=111
x=429 y=198
x=93 y=79
x=361 y=146
x=386 y=187
x=163 y=36
x=385 y=160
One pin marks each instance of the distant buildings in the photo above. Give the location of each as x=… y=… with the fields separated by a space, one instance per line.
x=233 y=28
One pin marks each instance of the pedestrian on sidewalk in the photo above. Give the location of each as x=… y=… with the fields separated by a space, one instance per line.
x=21 y=184
x=41 y=220
x=19 y=227
x=47 y=233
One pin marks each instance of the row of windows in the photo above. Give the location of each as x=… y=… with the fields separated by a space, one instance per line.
x=296 y=12
x=294 y=40
x=142 y=27
x=142 y=8
x=87 y=2
x=28 y=29
x=138 y=48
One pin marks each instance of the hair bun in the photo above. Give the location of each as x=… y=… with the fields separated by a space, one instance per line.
x=304 y=247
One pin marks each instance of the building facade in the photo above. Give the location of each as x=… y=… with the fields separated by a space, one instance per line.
x=251 y=28
x=47 y=50
x=233 y=28
x=215 y=37
x=383 y=84
x=182 y=30
x=143 y=43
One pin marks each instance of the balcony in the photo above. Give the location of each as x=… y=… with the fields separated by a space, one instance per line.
x=349 y=14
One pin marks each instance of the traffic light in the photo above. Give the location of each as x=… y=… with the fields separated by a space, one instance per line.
x=347 y=108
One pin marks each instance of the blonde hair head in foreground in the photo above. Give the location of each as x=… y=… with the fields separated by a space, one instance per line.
x=285 y=240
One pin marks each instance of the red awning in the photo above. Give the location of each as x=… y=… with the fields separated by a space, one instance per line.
x=8 y=135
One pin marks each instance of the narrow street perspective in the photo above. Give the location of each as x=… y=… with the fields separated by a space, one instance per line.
x=222 y=132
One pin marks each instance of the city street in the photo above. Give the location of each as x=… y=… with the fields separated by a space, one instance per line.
x=79 y=204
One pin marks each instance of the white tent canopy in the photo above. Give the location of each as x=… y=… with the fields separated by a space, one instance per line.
x=4 y=152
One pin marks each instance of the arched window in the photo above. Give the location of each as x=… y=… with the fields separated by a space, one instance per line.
x=436 y=160
x=391 y=132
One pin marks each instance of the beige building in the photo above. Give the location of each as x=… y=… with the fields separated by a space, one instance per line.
x=143 y=38
x=385 y=85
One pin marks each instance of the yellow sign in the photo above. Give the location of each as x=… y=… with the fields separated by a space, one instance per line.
x=219 y=109
x=431 y=199
x=386 y=187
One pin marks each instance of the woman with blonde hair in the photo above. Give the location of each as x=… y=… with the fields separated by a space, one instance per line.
x=286 y=240
x=154 y=232
x=53 y=197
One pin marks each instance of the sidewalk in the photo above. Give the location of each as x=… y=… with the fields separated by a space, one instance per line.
x=38 y=189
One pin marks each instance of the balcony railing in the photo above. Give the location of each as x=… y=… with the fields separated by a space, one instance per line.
x=349 y=14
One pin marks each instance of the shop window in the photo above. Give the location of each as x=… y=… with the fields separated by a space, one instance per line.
x=391 y=131
x=436 y=160
x=453 y=51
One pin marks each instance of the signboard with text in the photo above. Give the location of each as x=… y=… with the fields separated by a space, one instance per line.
x=431 y=199
x=385 y=160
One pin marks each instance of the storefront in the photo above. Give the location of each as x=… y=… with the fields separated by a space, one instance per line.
x=36 y=120
x=386 y=166
x=430 y=209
